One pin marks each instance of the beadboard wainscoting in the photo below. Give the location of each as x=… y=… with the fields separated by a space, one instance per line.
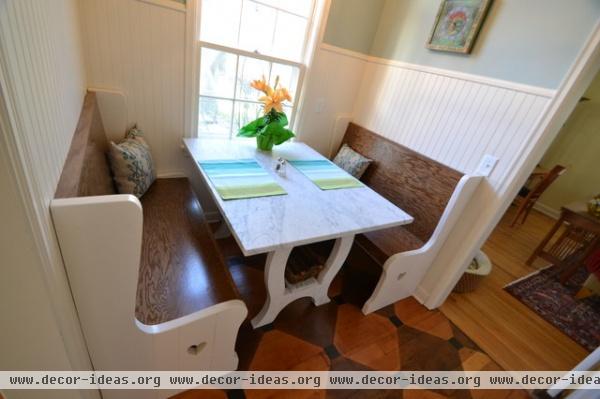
x=138 y=48
x=454 y=119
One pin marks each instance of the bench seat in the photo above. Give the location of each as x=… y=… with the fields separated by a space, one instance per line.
x=181 y=268
x=382 y=244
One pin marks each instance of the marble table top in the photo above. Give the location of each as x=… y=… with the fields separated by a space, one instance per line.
x=306 y=214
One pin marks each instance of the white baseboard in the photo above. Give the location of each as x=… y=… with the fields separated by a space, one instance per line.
x=546 y=210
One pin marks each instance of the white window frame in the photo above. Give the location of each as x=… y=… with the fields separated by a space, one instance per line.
x=192 y=61
x=296 y=91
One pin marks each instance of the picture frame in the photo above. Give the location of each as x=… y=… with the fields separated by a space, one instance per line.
x=457 y=25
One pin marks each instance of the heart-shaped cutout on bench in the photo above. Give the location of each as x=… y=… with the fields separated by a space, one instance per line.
x=195 y=349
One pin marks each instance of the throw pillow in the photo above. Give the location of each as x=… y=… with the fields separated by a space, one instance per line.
x=131 y=164
x=351 y=161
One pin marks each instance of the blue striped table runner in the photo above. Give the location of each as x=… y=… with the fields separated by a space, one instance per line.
x=240 y=178
x=325 y=174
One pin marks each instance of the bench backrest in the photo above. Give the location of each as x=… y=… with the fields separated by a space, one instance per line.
x=86 y=171
x=417 y=184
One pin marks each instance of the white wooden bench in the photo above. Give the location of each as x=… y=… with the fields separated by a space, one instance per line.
x=434 y=194
x=152 y=291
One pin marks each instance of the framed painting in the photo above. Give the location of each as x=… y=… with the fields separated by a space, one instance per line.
x=457 y=24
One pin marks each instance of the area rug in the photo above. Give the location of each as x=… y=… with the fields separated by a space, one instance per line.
x=556 y=303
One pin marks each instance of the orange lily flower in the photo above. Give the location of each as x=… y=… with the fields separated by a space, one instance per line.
x=261 y=85
x=273 y=98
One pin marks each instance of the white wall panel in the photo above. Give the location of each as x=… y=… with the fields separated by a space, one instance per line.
x=452 y=120
x=333 y=80
x=42 y=85
x=138 y=48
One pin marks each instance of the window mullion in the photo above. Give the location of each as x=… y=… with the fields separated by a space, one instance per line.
x=270 y=71
x=274 y=30
x=235 y=84
x=280 y=9
x=240 y=23
x=250 y=54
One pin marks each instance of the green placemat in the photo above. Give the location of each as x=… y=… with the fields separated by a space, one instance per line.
x=242 y=178
x=325 y=174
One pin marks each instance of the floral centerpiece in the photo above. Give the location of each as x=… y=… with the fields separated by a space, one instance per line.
x=594 y=206
x=270 y=129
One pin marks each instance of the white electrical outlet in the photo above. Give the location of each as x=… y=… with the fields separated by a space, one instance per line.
x=487 y=165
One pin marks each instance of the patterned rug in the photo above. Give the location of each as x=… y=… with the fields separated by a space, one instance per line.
x=556 y=303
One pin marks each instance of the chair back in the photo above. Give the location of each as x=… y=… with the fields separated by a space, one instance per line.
x=539 y=189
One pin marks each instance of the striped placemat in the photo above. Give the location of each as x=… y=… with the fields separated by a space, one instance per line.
x=325 y=174
x=240 y=178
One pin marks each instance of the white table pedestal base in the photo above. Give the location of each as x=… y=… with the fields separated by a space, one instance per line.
x=280 y=294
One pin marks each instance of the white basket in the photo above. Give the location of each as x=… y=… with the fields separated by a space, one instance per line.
x=472 y=278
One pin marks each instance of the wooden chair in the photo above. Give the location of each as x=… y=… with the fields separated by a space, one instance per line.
x=579 y=236
x=528 y=200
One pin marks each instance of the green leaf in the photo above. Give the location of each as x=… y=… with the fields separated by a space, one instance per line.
x=282 y=118
x=242 y=133
x=252 y=128
x=279 y=133
x=283 y=136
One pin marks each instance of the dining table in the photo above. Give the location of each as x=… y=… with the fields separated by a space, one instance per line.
x=303 y=213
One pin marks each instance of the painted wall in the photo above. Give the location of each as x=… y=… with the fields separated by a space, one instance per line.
x=454 y=119
x=352 y=24
x=42 y=85
x=576 y=147
x=138 y=48
x=528 y=42
x=30 y=338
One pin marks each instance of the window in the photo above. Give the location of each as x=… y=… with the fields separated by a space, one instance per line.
x=243 y=40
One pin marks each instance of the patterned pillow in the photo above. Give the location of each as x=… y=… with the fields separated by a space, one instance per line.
x=131 y=164
x=351 y=161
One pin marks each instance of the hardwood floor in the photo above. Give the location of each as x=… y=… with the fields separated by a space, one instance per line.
x=337 y=336
x=507 y=330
